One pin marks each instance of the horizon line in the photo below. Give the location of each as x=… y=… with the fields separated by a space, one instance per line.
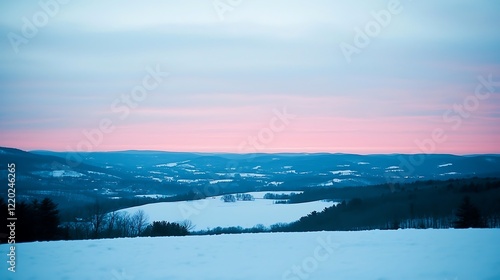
x=247 y=153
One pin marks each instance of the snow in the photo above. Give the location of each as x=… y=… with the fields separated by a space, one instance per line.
x=394 y=170
x=188 y=181
x=393 y=167
x=449 y=173
x=400 y=254
x=95 y=172
x=260 y=195
x=331 y=183
x=220 y=181
x=254 y=175
x=244 y=175
x=288 y=171
x=213 y=212
x=274 y=183
x=102 y=174
x=155 y=196
x=168 y=178
x=444 y=165
x=59 y=173
x=343 y=172
x=172 y=164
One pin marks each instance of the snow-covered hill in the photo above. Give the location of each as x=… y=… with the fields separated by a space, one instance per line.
x=213 y=212
x=402 y=254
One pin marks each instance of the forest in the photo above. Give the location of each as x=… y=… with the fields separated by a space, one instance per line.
x=455 y=203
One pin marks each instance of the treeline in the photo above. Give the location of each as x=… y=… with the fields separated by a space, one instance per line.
x=98 y=223
x=237 y=197
x=40 y=221
x=34 y=221
x=454 y=203
x=462 y=203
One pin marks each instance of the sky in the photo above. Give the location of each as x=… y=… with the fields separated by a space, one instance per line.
x=251 y=76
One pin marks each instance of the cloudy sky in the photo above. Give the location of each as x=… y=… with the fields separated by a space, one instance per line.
x=251 y=76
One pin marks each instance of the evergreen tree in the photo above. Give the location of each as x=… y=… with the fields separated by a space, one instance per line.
x=467 y=215
x=48 y=220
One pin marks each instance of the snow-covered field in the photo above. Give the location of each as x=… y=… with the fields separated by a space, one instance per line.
x=213 y=212
x=402 y=254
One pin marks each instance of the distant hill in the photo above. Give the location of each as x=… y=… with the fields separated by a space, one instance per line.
x=75 y=177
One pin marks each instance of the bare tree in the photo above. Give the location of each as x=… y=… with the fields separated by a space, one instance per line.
x=97 y=216
x=187 y=224
x=110 y=220
x=139 y=222
x=123 y=224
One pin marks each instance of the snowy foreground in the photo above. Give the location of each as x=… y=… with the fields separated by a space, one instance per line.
x=212 y=212
x=401 y=254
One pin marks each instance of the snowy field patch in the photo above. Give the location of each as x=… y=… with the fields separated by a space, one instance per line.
x=213 y=212
x=59 y=173
x=400 y=254
x=343 y=172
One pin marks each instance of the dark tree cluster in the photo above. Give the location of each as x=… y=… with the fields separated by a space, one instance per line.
x=40 y=221
x=433 y=204
x=244 y=197
x=458 y=203
x=228 y=198
x=237 y=197
x=163 y=228
x=97 y=223
x=36 y=221
x=278 y=196
x=468 y=215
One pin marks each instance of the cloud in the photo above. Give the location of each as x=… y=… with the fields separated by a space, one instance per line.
x=226 y=76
